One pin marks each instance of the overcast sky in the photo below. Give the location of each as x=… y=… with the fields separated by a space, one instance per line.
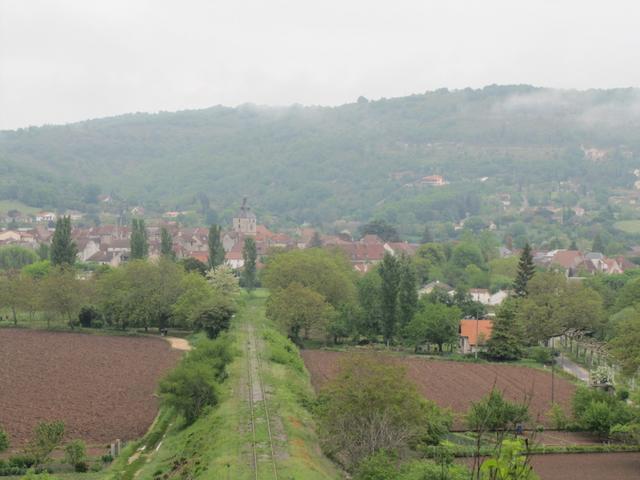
x=69 y=60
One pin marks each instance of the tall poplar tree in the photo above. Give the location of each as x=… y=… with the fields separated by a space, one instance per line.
x=63 y=248
x=249 y=254
x=407 y=291
x=216 y=250
x=526 y=269
x=139 y=240
x=389 y=271
x=166 y=244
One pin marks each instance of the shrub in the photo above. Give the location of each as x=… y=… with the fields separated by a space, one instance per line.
x=282 y=350
x=4 y=440
x=81 y=467
x=107 y=458
x=190 y=388
x=22 y=461
x=558 y=417
x=75 y=453
x=597 y=411
x=87 y=316
x=540 y=355
x=216 y=353
x=47 y=437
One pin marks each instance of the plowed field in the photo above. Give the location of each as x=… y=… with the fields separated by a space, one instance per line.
x=457 y=384
x=102 y=387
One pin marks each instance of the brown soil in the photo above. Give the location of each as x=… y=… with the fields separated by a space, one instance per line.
x=102 y=387
x=456 y=384
x=588 y=466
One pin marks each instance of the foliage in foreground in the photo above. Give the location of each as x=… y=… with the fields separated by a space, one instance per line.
x=371 y=406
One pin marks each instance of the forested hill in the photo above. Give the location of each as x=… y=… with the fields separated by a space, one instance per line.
x=318 y=164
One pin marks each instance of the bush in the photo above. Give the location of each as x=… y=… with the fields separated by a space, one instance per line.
x=559 y=417
x=75 y=453
x=597 y=411
x=4 y=440
x=81 y=467
x=22 y=461
x=106 y=458
x=540 y=355
x=282 y=350
x=190 y=388
x=87 y=316
x=47 y=437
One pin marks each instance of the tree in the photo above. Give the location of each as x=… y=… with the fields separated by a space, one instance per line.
x=196 y=291
x=47 y=436
x=511 y=462
x=213 y=316
x=63 y=294
x=316 y=240
x=625 y=344
x=389 y=271
x=63 y=248
x=191 y=264
x=441 y=323
x=166 y=244
x=139 y=240
x=598 y=244
x=369 y=298
x=385 y=231
x=327 y=272
x=249 y=255
x=371 y=406
x=223 y=281
x=298 y=310
x=216 y=250
x=427 y=236
x=75 y=453
x=189 y=389
x=495 y=414
x=14 y=257
x=526 y=270
x=407 y=291
x=506 y=342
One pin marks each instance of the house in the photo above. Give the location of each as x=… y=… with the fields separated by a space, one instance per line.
x=10 y=236
x=474 y=334
x=429 y=287
x=486 y=298
x=397 y=248
x=45 y=217
x=234 y=258
x=86 y=249
x=200 y=256
x=434 y=180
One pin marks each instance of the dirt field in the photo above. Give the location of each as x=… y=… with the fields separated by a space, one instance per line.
x=588 y=466
x=457 y=384
x=102 y=387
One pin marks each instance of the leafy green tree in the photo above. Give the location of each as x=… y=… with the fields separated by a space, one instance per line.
x=495 y=414
x=597 y=411
x=327 y=272
x=191 y=264
x=298 y=310
x=14 y=257
x=507 y=338
x=598 y=245
x=407 y=291
x=625 y=344
x=166 y=244
x=511 y=462
x=372 y=406
x=46 y=437
x=441 y=323
x=75 y=453
x=63 y=294
x=139 y=240
x=216 y=250
x=63 y=248
x=369 y=299
x=389 y=271
x=189 y=389
x=467 y=253
x=213 y=316
x=224 y=282
x=526 y=270
x=249 y=255
x=427 y=236
x=196 y=291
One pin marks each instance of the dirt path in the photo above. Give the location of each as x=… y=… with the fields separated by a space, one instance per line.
x=573 y=368
x=176 y=343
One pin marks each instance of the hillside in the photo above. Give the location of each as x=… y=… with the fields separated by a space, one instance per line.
x=319 y=164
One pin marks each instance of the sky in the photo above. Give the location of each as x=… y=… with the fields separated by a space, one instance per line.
x=69 y=60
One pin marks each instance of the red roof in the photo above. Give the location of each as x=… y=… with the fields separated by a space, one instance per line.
x=201 y=256
x=472 y=329
x=567 y=258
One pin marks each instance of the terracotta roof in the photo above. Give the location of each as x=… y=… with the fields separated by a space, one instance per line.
x=201 y=256
x=472 y=329
x=567 y=258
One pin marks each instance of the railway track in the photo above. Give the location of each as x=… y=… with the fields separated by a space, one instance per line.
x=260 y=416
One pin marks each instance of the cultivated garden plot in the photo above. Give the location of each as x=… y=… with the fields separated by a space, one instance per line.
x=102 y=387
x=456 y=384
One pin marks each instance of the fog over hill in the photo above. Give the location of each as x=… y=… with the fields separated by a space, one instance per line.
x=319 y=164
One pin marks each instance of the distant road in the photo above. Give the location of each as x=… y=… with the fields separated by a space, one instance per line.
x=573 y=368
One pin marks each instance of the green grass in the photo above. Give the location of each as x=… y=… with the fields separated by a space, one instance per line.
x=628 y=226
x=218 y=444
x=6 y=205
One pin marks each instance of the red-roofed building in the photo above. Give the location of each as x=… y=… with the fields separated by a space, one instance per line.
x=474 y=334
x=200 y=256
